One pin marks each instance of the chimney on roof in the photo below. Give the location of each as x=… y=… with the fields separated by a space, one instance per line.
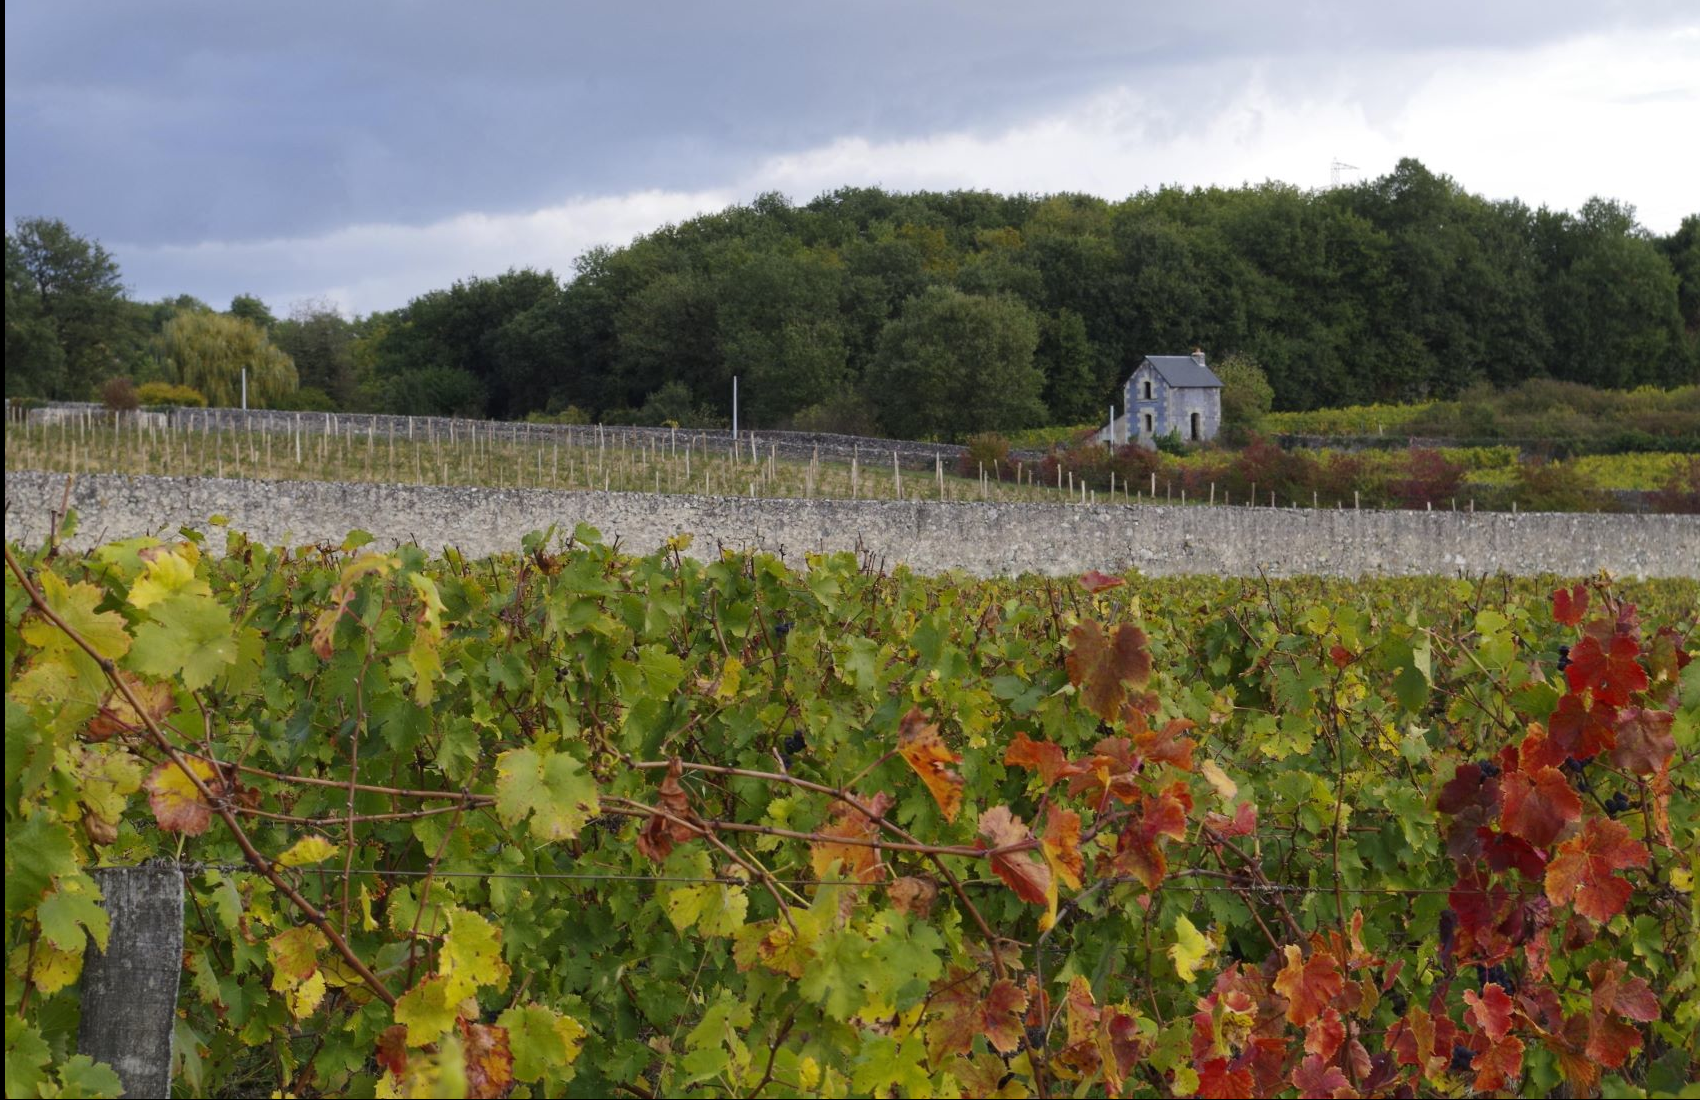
x=1198 y=356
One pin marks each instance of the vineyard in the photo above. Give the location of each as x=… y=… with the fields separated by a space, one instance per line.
x=569 y=822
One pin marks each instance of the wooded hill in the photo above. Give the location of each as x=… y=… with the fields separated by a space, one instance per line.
x=944 y=313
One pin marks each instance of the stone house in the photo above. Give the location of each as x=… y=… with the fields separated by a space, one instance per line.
x=1168 y=393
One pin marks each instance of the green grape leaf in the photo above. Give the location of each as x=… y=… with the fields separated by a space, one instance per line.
x=551 y=788
x=190 y=636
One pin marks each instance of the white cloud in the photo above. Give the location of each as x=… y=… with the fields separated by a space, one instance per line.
x=1600 y=115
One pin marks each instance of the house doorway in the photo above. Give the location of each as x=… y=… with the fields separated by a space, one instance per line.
x=1195 y=427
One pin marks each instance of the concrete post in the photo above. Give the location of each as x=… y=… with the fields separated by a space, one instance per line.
x=130 y=991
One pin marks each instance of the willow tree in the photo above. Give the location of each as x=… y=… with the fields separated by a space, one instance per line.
x=209 y=351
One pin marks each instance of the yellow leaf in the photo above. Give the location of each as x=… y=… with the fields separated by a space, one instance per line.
x=176 y=802
x=426 y=1011
x=1190 y=950
x=167 y=575
x=309 y=849
x=304 y=998
x=1218 y=778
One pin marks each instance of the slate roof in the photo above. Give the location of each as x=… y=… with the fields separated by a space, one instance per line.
x=1184 y=372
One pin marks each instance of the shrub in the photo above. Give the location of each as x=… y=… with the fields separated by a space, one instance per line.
x=1430 y=478
x=572 y=414
x=306 y=399
x=1557 y=487
x=844 y=414
x=157 y=394
x=1682 y=492
x=1171 y=444
x=119 y=395
x=987 y=451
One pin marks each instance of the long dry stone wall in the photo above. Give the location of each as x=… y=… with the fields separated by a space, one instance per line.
x=931 y=537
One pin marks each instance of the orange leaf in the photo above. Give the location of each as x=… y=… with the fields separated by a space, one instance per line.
x=1167 y=746
x=961 y=1013
x=1491 y=1010
x=1104 y=666
x=1061 y=844
x=1609 y=1041
x=489 y=1062
x=1581 y=871
x=1030 y=878
x=1498 y=1065
x=1044 y=757
x=118 y=716
x=1582 y=731
x=175 y=801
x=659 y=833
x=920 y=743
x=1538 y=806
x=1139 y=849
x=1308 y=985
x=857 y=861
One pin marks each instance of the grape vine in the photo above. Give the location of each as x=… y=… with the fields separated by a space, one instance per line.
x=575 y=822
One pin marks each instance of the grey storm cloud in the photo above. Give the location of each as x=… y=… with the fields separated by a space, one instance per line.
x=370 y=151
x=172 y=122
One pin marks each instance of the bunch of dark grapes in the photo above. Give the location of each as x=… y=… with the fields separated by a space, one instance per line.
x=1489 y=768
x=1563 y=657
x=792 y=746
x=1462 y=1056
x=782 y=628
x=1617 y=803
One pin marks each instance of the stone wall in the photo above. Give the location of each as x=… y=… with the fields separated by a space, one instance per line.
x=982 y=539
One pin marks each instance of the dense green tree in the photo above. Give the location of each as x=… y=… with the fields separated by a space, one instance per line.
x=1073 y=393
x=210 y=351
x=250 y=308
x=320 y=341
x=953 y=364
x=73 y=328
x=1247 y=397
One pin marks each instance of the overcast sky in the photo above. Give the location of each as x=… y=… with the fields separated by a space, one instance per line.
x=370 y=151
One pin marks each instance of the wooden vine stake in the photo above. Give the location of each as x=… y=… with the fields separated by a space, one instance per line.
x=130 y=990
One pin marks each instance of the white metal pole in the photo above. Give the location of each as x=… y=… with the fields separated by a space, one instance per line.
x=244 y=389
x=734 y=408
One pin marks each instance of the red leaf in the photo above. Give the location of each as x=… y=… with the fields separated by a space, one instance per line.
x=1502 y=850
x=1582 y=731
x=1538 y=806
x=1044 y=757
x=392 y=1049
x=1340 y=655
x=1243 y=823
x=1498 y=1065
x=920 y=743
x=1609 y=1041
x=1491 y=1011
x=1610 y=671
x=1644 y=741
x=1581 y=871
x=1570 y=605
x=1030 y=878
x=1309 y=985
x=1096 y=582
x=1103 y=666
x=659 y=833
x=1315 y=1078
x=1217 y=1081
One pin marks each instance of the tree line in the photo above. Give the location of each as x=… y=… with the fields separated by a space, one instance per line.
x=933 y=314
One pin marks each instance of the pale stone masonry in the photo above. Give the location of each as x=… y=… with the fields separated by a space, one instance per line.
x=929 y=537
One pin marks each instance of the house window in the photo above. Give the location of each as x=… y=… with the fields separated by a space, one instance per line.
x=1146 y=386
x=1150 y=422
x=1195 y=420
